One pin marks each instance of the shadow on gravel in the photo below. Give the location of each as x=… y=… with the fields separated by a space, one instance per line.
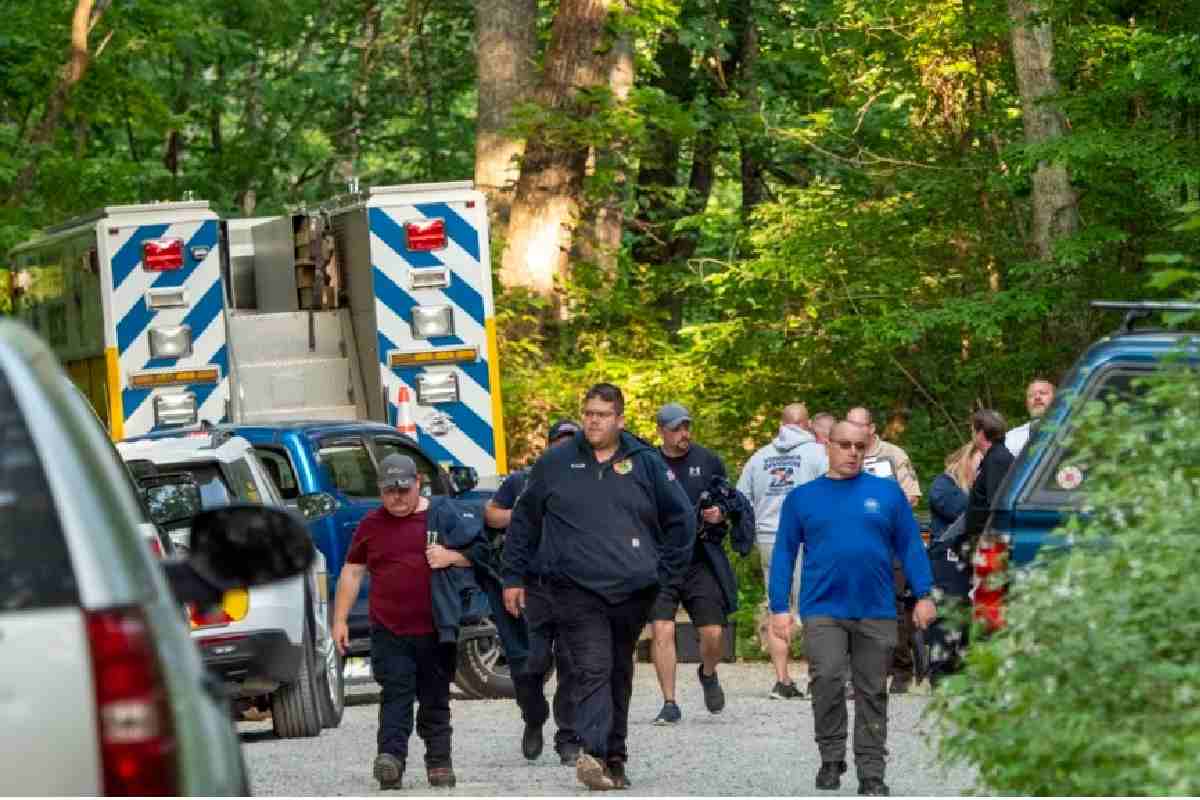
x=249 y=737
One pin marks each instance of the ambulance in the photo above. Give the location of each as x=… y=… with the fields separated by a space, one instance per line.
x=373 y=306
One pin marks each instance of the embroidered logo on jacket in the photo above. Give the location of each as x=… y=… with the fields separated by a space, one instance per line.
x=871 y=505
x=623 y=467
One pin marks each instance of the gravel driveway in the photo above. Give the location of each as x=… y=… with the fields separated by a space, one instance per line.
x=756 y=746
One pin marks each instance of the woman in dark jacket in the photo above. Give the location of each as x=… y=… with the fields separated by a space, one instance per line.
x=947 y=501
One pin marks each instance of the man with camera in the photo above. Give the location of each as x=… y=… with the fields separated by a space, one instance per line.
x=708 y=588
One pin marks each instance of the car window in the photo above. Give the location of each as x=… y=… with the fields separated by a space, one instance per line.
x=1061 y=477
x=214 y=491
x=430 y=484
x=265 y=481
x=35 y=566
x=242 y=478
x=350 y=466
x=279 y=467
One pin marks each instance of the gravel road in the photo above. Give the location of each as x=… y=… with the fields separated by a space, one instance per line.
x=756 y=746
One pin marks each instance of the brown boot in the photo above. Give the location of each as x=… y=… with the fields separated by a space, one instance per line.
x=441 y=777
x=591 y=772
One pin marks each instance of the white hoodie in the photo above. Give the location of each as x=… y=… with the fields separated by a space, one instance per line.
x=794 y=458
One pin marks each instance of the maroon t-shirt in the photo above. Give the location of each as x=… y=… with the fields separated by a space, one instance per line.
x=393 y=548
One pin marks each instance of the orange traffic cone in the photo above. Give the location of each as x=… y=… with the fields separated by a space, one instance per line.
x=404 y=416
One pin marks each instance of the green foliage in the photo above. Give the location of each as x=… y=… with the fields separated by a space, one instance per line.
x=1091 y=689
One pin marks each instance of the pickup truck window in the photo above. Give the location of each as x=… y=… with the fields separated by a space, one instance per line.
x=350 y=466
x=1060 y=477
x=430 y=483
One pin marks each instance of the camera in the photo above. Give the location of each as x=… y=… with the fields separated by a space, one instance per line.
x=719 y=494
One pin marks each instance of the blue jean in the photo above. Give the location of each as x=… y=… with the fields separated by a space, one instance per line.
x=408 y=669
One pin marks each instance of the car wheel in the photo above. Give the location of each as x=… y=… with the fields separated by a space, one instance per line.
x=294 y=709
x=331 y=682
x=482 y=670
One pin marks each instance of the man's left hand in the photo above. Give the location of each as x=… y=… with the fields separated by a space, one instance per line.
x=924 y=613
x=712 y=515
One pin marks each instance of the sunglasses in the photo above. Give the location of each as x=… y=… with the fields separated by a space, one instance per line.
x=846 y=444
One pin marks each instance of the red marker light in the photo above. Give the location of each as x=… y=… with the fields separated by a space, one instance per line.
x=162 y=255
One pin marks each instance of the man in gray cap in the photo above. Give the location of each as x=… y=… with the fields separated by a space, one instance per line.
x=699 y=590
x=409 y=547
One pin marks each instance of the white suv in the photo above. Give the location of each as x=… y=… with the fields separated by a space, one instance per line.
x=267 y=640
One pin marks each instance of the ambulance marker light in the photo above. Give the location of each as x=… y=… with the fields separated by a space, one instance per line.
x=430 y=357
x=177 y=377
x=162 y=255
x=425 y=235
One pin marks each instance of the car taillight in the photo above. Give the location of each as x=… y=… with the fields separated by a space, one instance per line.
x=137 y=741
x=162 y=255
x=155 y=547
x=428 y=234
x=989 y=565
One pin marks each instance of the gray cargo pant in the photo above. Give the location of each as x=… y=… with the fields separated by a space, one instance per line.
x=865 y=645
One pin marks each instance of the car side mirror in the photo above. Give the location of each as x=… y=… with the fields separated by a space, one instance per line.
x=316 y=505
x=463 y=479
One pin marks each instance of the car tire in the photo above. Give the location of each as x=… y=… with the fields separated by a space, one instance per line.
x=331 y=682
x=294 y=710
x=482 y=671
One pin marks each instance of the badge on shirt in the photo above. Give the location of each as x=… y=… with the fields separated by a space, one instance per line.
x=623 y=467
x=871 y=505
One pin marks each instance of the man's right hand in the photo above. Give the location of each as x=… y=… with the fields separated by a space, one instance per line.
x=514 y=600
x=341 y=636
x=781 y=626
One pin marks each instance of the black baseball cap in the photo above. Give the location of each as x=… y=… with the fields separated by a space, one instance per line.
x=397 y=470
x=563 y=427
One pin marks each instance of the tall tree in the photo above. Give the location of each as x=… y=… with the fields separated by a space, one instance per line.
x=546 y=207
x=505 y=51
x=1055 y=205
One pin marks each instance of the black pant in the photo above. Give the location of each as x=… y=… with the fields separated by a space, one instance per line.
x=903 y=661
x=947 y=635
x=545 y=643
x=600 y=638
x=410 y=668
x=866 y=644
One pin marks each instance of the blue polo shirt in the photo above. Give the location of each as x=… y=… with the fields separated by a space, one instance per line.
x=851 y=530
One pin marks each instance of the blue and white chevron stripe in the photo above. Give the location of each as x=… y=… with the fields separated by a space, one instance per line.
x=455 y=433
x=204 y=313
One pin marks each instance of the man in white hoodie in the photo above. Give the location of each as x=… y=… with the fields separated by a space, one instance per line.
x=792 y=459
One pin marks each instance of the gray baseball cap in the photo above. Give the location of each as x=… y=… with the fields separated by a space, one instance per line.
x=672 y=415
x=397 y=470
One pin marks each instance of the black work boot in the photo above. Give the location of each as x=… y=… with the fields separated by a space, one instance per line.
x=388 y=771
x=829 y=776
x=531 y=742
x=616 y=771
x=568 y=753
x=874 y=787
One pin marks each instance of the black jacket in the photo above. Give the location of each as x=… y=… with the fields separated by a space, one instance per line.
x=450 y=587
x=613 y=528
x=741 y=532
x=992 y=470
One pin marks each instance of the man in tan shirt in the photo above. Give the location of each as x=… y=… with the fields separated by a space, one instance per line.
x=886 y=460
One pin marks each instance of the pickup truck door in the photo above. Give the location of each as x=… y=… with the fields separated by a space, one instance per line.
x=432 y=479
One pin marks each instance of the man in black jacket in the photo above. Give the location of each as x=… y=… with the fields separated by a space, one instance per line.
x=989 y=429
x=609 y=525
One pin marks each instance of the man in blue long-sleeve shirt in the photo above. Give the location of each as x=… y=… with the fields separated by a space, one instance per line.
x=851 y=525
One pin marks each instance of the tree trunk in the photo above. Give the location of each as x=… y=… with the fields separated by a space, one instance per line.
x=750 y=135
x=545 y=209
x=351 y=145
x=506 y=46
x=1055 y=205
x=79 y=57
x=599 y=241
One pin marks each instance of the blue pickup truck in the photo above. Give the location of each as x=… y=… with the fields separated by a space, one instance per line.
x=1045 y=486
x=340 y=459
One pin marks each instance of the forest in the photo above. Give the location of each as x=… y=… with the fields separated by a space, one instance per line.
x=733 y=204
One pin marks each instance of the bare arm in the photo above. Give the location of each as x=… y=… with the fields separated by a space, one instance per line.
x=495 y=516
x=349 y=582
x=442 y=557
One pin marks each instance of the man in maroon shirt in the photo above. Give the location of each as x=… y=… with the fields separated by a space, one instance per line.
x=410 y=657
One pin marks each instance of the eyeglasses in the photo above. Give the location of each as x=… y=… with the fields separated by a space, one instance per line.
x=846 y=444
x=599 y=414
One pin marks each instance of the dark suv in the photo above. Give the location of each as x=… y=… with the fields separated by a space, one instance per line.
x=1045 y=485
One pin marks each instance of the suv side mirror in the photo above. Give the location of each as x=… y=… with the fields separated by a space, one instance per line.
x=463 y=479
x=316 y=505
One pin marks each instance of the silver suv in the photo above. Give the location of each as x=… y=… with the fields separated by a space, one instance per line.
x=269 y=640
x=101 y=690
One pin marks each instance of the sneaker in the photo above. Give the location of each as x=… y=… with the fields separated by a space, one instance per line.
x=591 y=772
x=785 y=691
x=441 y=777
x=568 y=753
x=669 y=715
x=616 y=771
x=531 y=742
x=714 y=695
x=829 y=776
x=874 y=787
x=900 y=684
x=388 y=771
